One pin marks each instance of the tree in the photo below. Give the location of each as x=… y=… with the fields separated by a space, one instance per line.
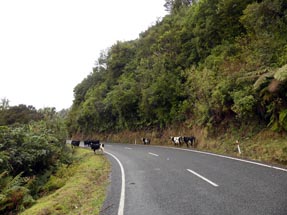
x=175 y=5
x=266 y=27
x=161 y=95
x=19 y=114
x=4 y=104
x=119 y=57
x=229 y=13
x=123 y=99
x=271 y=88
x=198 y=63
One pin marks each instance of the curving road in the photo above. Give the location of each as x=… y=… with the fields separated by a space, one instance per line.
x=151 y=180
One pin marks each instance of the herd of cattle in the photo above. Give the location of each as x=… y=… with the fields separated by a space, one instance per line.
x=177 y=141
x=96 y=145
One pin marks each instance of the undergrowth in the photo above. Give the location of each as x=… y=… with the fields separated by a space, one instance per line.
x=79 y=188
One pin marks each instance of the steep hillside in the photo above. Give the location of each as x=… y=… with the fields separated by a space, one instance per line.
x=220 y=66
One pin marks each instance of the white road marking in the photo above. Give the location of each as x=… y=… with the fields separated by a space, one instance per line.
x=203 y=178
x=153 y=154
x=127 y=148
x=231 y=158
x=123 y=189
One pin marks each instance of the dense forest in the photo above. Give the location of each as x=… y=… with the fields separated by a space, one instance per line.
x=207 y=63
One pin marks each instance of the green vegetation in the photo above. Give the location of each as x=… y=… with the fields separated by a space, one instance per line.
x=217 y=65
x=39 y=173
x=216 y=69
x=30 y=151
x=207 y=60
x=17 y=114
x=77 y=189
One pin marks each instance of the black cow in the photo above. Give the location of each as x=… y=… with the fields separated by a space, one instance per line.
x=87 y=143
x=75 y=143
x=146 y=141
x=96 y=145
x=189 y=140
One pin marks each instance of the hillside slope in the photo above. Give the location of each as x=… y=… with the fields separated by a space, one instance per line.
x=217 y=66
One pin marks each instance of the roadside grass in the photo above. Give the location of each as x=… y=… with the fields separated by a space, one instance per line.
x=268 y=147
x=265 y=146
x=81 y=187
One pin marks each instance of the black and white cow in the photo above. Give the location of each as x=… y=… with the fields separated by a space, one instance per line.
x=75 y=143
x=146 y=141
x=176 y=140
x=189 y=141
x=96 y=145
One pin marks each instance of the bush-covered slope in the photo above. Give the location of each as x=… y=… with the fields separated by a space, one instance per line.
x=207 y=61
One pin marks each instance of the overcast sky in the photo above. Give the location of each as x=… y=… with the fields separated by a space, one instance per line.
x=47 y=47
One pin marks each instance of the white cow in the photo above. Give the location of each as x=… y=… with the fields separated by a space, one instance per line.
x=176 y=140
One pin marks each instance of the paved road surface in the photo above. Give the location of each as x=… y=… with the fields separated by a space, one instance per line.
x=167 y=181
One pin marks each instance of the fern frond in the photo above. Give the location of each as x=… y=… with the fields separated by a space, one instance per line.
x=15 y=183
x=281 y=73
x=263 y=79
x=3 y=174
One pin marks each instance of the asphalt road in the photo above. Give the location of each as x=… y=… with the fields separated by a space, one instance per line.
x=151 y=180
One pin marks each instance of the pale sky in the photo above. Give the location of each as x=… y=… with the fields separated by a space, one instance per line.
x=47 y=47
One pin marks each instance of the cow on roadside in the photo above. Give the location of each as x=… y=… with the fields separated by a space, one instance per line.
x=177 y=141
x=87 y=143
x=146 y=141
x=189 y=141
x=75 y=143
x=96 y=145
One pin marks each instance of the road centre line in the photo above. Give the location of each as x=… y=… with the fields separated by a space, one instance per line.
x=123 y=188
x=153 y=154
x=127 y=148
x=203 y=178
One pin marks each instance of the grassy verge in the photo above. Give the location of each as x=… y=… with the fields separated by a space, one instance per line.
x=83 y=189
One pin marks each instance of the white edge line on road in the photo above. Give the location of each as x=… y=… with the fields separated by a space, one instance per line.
x=231 y=158
x=122 y=198
x=153 y=154
x=203 y=178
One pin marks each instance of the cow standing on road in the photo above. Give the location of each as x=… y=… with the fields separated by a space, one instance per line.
x=189 y=141
x=87 y=143
x=176 y=140
x=96 y=145
x=146 y=141
x=75 y=143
